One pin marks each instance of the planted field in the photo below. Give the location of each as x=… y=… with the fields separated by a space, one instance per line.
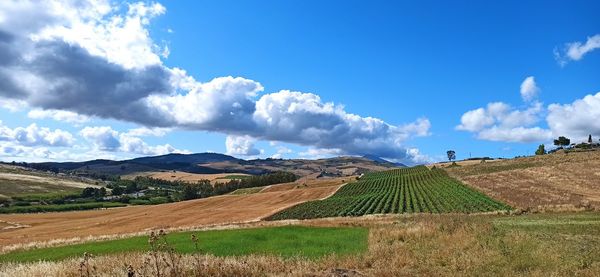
x=408 y=190
x=287 y=241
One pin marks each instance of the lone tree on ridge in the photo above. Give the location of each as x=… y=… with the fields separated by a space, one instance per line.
x=451 y=155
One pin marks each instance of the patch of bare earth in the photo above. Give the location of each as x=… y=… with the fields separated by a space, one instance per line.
x=226 y=209
x=310 y=181
x=554 y=181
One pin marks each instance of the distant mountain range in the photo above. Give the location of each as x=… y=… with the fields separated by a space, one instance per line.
x=208 y=163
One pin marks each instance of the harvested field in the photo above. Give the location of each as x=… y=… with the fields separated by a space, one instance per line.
x=187 y=177
x=12 y=184
x=225 y=209
x=309 y=182
x=408 y=245
x=556 y=181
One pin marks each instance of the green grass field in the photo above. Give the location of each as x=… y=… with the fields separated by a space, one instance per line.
x=247 y=191
x=21 y=187
x=407 y=190
x=60 y=208
x=286 y=241
x=231 y=177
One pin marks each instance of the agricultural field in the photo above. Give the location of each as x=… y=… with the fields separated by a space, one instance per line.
x=18 y=181
x=189 y=177
x=558 y=244
x=407 y=190
x=38 y=229
x=288 y=241
x=559 y=181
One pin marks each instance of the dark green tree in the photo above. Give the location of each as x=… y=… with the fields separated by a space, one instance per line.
x=590 y=139
x=541 y=150
x=451 y=155
x=562 y=141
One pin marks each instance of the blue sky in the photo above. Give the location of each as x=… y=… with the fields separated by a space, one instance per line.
x=390 y=60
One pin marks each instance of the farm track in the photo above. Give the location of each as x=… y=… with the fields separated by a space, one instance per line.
x=226 y=209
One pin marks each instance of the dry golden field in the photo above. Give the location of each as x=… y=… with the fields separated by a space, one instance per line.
x=226 y=209
x=560 y=181
x=185 y=176
x=410 y=245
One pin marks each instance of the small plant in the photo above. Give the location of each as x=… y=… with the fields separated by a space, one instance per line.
x=85 y=269
x=162 y=255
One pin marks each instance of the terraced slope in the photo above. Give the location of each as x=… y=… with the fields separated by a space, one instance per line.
x=408 y=190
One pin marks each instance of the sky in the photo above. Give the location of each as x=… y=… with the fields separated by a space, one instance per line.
x=401 y=80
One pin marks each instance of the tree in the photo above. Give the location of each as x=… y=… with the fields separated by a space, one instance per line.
x=590 y=139
x=118 y=190
x=88 y=192
x=541 y=150
x=190 y=191
x=562 y=141
x=451 y=155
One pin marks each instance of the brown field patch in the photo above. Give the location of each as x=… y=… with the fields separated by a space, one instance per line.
x=554 y=180
x=185 y=176
x=309 y=182
x=224 y=209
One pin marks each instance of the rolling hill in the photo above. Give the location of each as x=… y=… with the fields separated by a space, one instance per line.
x=212 y=163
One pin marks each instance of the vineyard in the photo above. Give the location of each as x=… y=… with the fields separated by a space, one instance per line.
x=407 y=190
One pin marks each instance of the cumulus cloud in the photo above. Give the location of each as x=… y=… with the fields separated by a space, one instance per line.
x=147 y=132
x=281 y=151
x=104 y=138
x=529 y=89
x=576 y=120
x=58 y=115
x=501 y=122
x=33 y=135
x=574 y=51
x=241 y=146
x=94 y=59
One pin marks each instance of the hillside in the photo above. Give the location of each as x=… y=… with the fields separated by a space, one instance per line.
x=213 y=163
x=553 y=181
x=18 y=181
x=226 y=209
x=407 y=190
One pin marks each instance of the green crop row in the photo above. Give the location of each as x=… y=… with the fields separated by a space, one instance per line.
x=407 y=190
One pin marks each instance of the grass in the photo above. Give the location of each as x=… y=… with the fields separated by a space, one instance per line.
x=15 y=188
x=557 y=244
x=59 y=208
x=231 y=177
x=286 y=241
x=247 y=191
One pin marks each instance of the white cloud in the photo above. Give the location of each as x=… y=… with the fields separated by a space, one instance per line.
x=13 y=105
x=33 y=135
x=58 y=115
x=94 y=59
x=529 y=89
x=320 y=153
x=574 y=51
x=147 y=132
x=241 y=146
x=281 y=151
x=500 y=122
x=104 y=138
x=576 y=120
x=516 y=134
